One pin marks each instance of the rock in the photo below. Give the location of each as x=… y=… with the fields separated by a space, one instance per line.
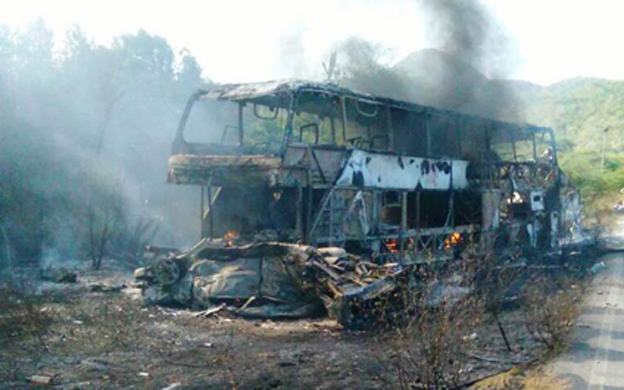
x=42 y=380
x=173 y=386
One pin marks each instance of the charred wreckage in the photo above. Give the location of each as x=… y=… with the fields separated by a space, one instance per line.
x=317 y=196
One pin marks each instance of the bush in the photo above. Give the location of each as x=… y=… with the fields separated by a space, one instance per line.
x=549 y=310
x=22 y=317
x=433 y=343
x=432 y=350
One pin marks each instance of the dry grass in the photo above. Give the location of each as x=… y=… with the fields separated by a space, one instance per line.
x=541 y=380
x=520 y=379
x=505 y=380
x=107 y=339
x=432 y=349
x=433 y=352
x=24 y=323
x=22 y=316
x=598 y=212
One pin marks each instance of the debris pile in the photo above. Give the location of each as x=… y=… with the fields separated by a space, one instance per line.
x=351 y=287
x=268 y=280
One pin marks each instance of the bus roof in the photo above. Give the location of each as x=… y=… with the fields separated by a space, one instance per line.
x=277 y=93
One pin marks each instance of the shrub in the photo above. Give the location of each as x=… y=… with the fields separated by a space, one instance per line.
x=549 y=311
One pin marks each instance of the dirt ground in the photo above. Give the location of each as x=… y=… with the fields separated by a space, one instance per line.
x=97 y=334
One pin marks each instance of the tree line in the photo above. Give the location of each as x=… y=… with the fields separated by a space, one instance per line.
x=85 y=133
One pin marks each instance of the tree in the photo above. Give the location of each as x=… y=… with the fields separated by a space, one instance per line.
x=84 y=137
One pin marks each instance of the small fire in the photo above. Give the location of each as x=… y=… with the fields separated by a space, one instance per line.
x=392 y=246
x=453 y=240
x=229 y=238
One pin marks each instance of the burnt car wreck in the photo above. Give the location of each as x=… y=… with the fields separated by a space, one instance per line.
x=349 y=191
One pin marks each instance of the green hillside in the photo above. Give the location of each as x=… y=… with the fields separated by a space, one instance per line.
x=579 y=110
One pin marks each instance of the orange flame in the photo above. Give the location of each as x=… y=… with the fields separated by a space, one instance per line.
x=392 y=245
x=229 y=238
x=453 y=240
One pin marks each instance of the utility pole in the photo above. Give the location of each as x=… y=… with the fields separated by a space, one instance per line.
x=604 y=145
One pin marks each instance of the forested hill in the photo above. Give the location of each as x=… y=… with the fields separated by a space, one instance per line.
x=579 y=110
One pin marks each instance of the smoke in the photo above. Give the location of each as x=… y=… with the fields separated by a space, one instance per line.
x=292 y=54
x=475 y=44
x=462 y=28
x=365 y=66
x=88 y=132
x=467 y=70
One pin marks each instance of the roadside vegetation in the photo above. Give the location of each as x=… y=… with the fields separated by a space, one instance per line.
x=599 y=185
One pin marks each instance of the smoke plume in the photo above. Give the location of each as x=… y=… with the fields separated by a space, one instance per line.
x=473 y=44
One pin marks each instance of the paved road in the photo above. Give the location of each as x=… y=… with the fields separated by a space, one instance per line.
x=596 y=357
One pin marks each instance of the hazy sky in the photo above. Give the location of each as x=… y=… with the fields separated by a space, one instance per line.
x=236 y=40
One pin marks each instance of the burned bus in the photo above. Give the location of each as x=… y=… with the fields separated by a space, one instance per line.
x=318 y=164
x=316 y=198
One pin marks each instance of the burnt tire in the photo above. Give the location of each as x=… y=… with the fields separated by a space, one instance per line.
x=167 y=272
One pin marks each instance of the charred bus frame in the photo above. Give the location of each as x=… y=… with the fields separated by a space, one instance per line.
x=371 y=174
